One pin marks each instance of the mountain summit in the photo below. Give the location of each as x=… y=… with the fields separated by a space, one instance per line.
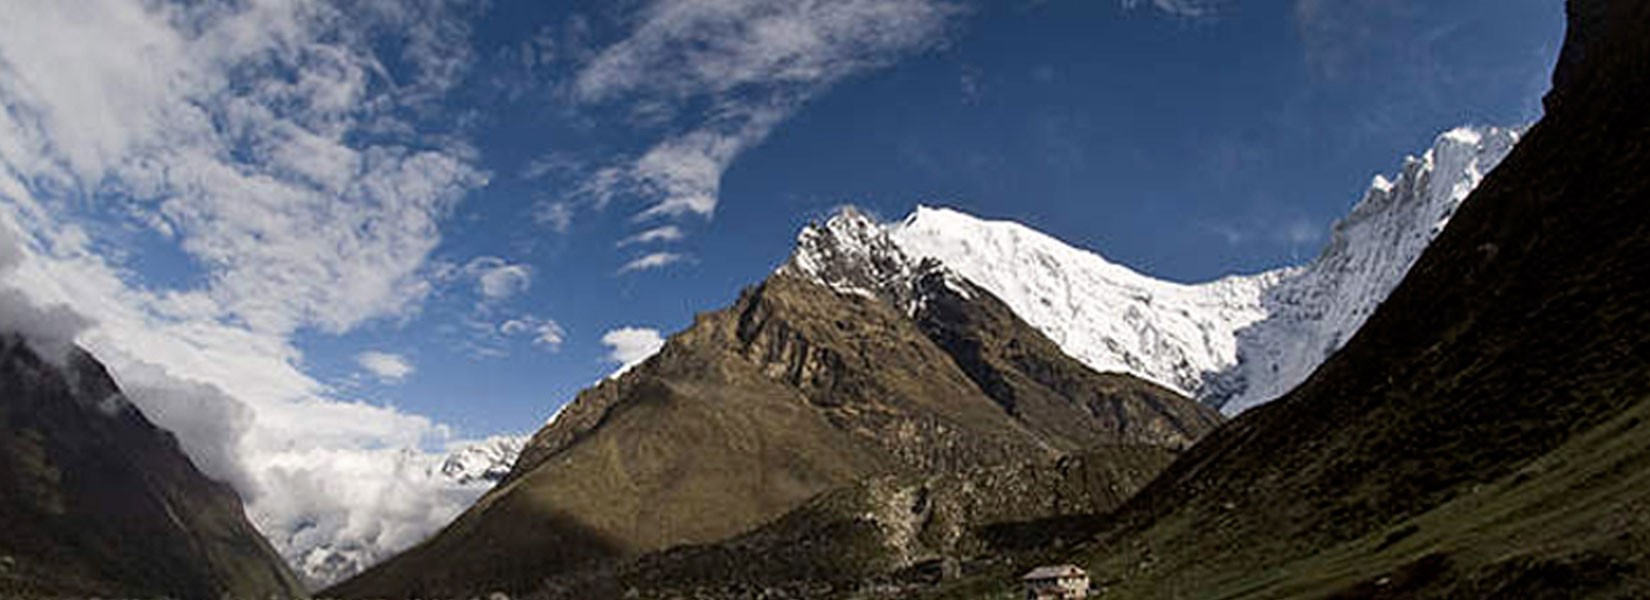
x=1233 y=343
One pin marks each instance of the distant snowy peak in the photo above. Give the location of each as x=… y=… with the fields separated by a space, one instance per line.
x=484 y=462
x=1312 y=313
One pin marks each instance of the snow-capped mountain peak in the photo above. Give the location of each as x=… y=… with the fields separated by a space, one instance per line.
x=851 y=253
x=1103 y=314
x=483 y=462
x=1234 y=343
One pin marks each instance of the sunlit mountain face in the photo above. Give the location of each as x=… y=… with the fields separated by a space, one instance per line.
x=352 y=255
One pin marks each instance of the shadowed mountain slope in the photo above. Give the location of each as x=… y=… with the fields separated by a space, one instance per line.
x=97 y=501
x=798 y=388
x=1484 y=434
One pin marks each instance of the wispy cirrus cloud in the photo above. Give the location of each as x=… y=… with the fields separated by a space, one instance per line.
x=723 y=74
x=543 y=332
x=1336 y=35
x=1184 y=8
x=666 y=233
x=648 y=262
x=1295 y=231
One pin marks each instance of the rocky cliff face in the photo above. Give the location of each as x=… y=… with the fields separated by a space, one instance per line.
x=97 y=501
x=1106 y=315
x=839 y=367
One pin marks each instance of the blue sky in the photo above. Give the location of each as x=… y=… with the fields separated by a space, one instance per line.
x=322 y=240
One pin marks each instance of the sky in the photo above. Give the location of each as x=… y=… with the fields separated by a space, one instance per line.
x=324 y=241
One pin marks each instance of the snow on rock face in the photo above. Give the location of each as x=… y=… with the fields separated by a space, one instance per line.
x=852 y=254
x=1103 y=314
x=1312 y=313
x=1234 y=343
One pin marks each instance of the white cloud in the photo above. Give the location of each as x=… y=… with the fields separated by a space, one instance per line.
x=629 y=346
x=51 y=329
x=557 y=215
x=549 y=335
x=544 y=332
x=750 y=64
x=494 y=278
x=1297 y=231
x=656 y=260
x=1290 y=231
x=667 y=233
x=497 y=279
x=387 y=367
x=1185 y=8
x=267 y=140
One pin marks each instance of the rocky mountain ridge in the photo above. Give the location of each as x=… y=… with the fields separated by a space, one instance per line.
x=1233 y=343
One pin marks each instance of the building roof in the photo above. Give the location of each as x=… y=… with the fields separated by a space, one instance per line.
x=1054 y=572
